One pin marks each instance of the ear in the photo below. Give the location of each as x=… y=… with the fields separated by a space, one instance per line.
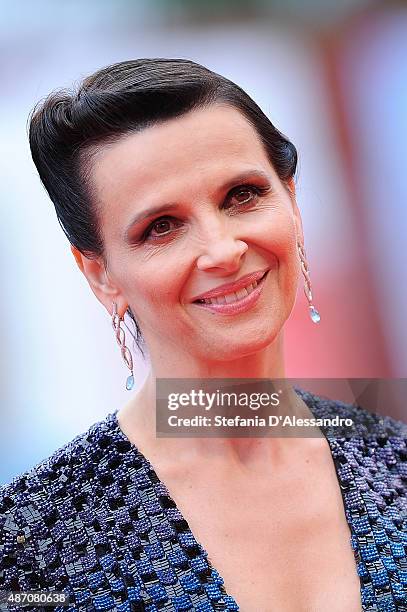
x=296 y=211
x=99 y=281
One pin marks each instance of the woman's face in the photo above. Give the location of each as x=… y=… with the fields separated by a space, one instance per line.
x=187 y=206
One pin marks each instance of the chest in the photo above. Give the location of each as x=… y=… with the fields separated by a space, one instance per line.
x=285 y=561
x=277 y=547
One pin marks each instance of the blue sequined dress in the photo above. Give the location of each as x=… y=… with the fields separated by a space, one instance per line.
x=94 y=521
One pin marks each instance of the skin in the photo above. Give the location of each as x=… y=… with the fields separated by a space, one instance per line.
x=214 y=236
x=187 y=161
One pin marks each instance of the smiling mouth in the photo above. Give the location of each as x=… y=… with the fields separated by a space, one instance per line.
x=234 y=296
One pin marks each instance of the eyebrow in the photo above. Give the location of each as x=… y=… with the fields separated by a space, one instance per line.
x=154 y=210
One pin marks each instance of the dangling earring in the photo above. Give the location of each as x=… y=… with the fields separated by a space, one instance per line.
x=313 y=312
x=121 y=341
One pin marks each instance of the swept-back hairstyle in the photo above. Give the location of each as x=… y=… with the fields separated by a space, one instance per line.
x=70 y=125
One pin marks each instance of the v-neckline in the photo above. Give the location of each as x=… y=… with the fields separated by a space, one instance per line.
x=231 y=603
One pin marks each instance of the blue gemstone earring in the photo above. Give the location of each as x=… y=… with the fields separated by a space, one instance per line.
x=313 y=312
x=125 y=351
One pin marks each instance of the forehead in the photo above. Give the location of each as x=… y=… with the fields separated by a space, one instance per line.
x=177 y=158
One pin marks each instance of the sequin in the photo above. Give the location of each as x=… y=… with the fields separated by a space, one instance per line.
x=94 y=521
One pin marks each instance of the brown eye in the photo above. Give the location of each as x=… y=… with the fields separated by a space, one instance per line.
x=161 y=227
x=243 y=195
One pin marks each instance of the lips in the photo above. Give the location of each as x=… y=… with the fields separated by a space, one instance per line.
x=233 y=304
x=230 y=292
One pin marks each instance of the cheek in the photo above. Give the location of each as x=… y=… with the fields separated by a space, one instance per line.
x=155 y=280
x=152 y=290
x=282 y=243
x=278 y=236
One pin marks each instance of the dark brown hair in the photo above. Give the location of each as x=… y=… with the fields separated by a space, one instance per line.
x=68 y=126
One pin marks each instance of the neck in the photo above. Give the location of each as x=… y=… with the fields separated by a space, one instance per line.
x=138 y=418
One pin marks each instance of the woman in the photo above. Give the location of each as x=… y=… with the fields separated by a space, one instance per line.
x=177 y=196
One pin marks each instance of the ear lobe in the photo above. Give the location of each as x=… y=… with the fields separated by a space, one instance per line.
x=291 y=186
x=99 y=281
x=78 y=257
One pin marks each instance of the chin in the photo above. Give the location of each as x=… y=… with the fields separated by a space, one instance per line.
x=228 y=349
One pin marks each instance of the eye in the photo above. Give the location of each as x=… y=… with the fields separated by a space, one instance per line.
x=160 y=228
x=244 y=194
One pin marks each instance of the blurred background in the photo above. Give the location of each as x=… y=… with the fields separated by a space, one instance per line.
x=330 y=75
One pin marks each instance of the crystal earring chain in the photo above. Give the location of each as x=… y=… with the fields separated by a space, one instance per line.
x=121 y=341
x=313 y=312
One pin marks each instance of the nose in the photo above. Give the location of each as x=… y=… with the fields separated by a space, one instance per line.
x=223 y=253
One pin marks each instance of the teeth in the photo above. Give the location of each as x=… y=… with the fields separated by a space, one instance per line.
x=241 y=293
x=229 y=298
